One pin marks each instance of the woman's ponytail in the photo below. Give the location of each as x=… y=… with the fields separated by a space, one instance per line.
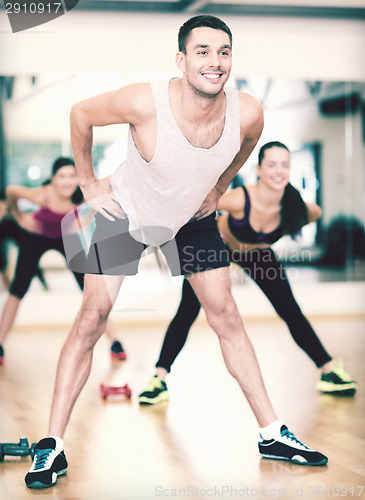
x=294 y=212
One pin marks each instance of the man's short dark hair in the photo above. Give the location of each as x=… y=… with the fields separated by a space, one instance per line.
x=203 y=21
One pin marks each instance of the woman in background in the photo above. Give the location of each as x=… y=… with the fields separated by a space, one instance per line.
x=255 y=217
x=36 y=233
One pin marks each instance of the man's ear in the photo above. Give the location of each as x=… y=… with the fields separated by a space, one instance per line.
x=180 y=61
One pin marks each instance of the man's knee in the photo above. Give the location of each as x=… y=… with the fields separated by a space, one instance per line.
x=94 y=318
x=89 y=326
x=223 y=316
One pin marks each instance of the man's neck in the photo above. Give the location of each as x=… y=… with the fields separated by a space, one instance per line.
x=198 y=107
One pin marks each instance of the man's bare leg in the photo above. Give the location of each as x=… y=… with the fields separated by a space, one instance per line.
x=276 y=441
x=213 y=289
x=75 y=359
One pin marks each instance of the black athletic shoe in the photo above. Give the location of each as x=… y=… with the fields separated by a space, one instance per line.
x=1 y=354
x=49 y=463
x=288 y=447
x=117 y=351
x=337 y=382
x=156 y=392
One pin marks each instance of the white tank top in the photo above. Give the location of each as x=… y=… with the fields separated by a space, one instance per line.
x=162 y=195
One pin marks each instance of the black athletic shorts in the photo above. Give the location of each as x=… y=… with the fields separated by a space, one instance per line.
x=197 y=247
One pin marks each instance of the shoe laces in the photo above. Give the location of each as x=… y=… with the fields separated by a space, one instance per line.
x=154 y=383
x=41 y=458
x=338 y=369
x=289 y=435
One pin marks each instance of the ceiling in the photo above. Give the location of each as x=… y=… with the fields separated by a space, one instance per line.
x=274 y=93
x=338 y=9
x=348 y=9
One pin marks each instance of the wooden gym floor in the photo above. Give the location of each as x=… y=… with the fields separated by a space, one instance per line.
x=203 y=443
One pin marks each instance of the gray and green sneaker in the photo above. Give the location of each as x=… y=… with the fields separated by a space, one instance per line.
x=337 y=382
x=155 y=392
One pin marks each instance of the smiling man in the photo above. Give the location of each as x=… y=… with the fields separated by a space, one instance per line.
x=188 y=137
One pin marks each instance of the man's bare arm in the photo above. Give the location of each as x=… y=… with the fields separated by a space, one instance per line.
x=122 y=106
x=251 y=129
x=252 y=122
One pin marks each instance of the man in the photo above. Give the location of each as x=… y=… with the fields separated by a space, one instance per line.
x=182 y=136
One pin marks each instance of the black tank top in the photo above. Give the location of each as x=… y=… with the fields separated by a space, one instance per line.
x=243 y=232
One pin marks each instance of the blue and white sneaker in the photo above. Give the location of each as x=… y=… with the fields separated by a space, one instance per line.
x=288 y=447
x=49 y=463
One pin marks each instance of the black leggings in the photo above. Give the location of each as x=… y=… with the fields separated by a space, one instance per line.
x=9 y=230
x=31 y=248
x=269 y=274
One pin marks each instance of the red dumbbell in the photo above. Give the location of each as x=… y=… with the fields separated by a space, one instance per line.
x=109 y=390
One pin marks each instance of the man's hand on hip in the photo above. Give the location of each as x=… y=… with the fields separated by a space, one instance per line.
x=209 y=205
x=100 y=196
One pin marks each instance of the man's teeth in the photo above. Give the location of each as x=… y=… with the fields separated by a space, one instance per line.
x=213 y=76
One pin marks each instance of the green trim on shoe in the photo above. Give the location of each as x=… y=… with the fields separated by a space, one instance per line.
x=337 y=381
x=155 y=392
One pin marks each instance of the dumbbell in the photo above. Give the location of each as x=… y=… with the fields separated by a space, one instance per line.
x=109 y=390
x=21 y=449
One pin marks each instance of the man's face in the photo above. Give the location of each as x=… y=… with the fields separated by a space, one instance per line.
x=207 y=62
